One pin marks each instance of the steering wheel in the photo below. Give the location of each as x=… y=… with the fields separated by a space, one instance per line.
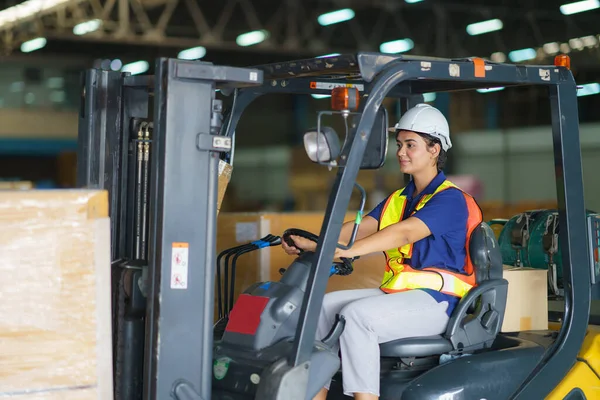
x=343 y=267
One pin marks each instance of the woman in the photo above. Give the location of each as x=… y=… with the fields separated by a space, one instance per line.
x=424 y=225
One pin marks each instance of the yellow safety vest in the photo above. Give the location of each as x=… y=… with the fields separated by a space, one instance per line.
x=399 y=276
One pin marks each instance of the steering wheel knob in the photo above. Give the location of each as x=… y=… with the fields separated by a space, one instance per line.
x=298 y=232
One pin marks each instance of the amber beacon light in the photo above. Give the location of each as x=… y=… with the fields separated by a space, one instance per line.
x=562 y=60
x=344 y=98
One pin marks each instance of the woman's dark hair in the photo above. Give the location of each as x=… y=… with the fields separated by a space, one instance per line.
x=432 y=141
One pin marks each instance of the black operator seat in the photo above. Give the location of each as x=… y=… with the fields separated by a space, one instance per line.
x=478 y=316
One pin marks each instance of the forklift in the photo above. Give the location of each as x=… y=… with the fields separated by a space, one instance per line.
x=155 y=142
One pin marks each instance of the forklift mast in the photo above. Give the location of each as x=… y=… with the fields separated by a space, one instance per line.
x=154 y=143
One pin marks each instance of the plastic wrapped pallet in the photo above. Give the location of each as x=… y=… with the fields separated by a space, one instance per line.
x=55 y=329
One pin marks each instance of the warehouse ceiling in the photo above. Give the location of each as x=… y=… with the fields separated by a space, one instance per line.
x=287 y=29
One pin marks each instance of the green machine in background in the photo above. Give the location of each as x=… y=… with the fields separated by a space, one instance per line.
x=530 y=240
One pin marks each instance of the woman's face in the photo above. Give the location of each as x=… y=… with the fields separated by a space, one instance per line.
x=414 y=155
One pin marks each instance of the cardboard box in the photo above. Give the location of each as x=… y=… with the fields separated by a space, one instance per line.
x=16 y=185
x=55 y=329
x=225 y=170
x=527 y=304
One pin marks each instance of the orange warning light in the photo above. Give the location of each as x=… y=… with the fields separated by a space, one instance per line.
x=562 y=60
x=344 y=98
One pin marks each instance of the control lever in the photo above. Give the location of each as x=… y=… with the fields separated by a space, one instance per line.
x=358 y=220
x=225 y=300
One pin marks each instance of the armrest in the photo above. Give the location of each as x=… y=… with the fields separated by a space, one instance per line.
x=479 y=329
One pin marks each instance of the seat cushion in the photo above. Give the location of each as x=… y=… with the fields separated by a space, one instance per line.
x=415 y=347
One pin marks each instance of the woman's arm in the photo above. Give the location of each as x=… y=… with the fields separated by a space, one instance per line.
x=367 y=227
x=392 y=236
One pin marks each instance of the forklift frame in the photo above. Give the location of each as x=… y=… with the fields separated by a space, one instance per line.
x=184 y=181
x=163 y=346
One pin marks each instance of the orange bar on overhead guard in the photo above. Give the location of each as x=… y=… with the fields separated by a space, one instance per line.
x=344 y=98
x=479 y=67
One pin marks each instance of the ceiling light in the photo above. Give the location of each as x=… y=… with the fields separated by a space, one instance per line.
x=579 y=6
x=564 y=48
x=479 y=28
x=116 y=64
x=138 y=67
x=576 y=44
x=396 y=46
x=498 y=57
x=33 y=45
x=335 y=17
x=588 y=89
x=522 y=55
x=429 y=97
x=412 y=1
x=551 y=48
x=589 y=41
x=251 y=38
x=320 y=96
x=488 y=90
x=87 y=27
x=329 y=55
x=193 y=53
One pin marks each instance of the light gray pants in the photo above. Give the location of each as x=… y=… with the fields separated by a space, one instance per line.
x=373 y=317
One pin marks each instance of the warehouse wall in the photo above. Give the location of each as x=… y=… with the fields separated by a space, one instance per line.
x=38 y=124
x=518 y=164
x=514 y=165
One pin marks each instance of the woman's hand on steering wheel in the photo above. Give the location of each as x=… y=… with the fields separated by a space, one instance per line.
x=300 y=243
x=341 y=253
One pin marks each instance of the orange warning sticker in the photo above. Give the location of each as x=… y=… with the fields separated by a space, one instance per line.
x=479 y=67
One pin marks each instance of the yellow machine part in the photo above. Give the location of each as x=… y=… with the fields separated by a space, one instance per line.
x=584 y=373
x=497 y=225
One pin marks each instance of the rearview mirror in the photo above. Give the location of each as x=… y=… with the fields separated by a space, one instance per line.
x=323 y=146
x=377 y=146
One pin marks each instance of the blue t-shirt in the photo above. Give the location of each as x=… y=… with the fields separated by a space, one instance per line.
x=445 y=214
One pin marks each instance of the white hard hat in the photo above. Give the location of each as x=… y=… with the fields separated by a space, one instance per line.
x=424 y=118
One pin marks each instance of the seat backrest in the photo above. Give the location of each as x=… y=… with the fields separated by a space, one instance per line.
x=485 y=254
x=477 y=319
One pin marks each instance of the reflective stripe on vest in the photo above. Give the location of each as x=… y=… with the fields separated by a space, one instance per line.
x=400 y=277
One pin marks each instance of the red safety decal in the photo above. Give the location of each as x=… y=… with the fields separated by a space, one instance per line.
x=245 y=314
